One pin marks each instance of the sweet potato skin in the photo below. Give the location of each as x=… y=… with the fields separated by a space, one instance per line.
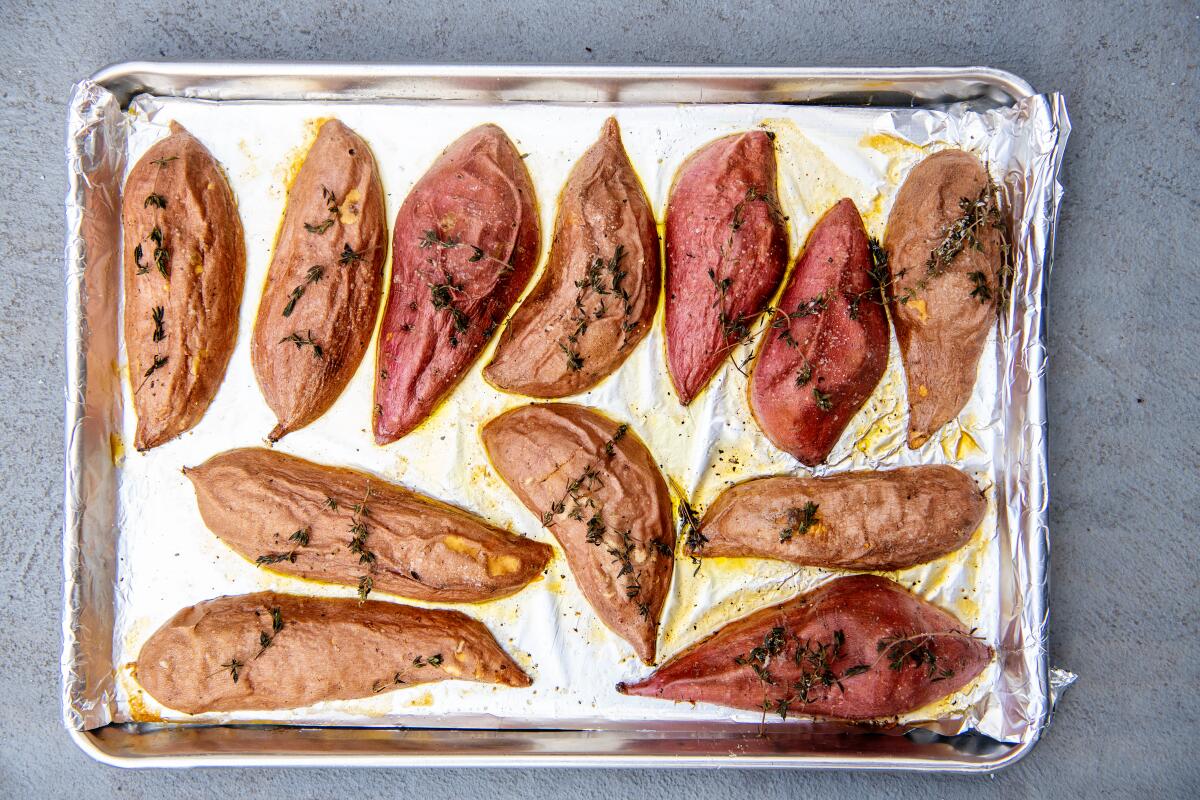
x=319 y=649
x=723 y=218
x=256 y=499
x=184 y=268
x=865 y=623
x=876 y=520
x=942 y=321
x=827 y=346
x=599 y=291
x=599 y=491
x=324 y=280
x=465 y=245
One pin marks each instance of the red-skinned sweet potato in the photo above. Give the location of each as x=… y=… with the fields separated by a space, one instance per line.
x=827 y=344
x=856 y=648
x=599 y=291
x=465 y=245
x=185 y=264
x=318 y=309
x=726 y=251
x=944 y=244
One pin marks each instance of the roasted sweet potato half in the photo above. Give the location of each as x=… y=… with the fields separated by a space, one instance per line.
x=464 y=247
x=184 y=267
x=856 y=648
x=945 y=245
x=340 y=526
x=598 y=293
x=318 y=309
x=272 y=651
x=599 y=491
x=827 y=343
x=870 y=520
x=726 y=249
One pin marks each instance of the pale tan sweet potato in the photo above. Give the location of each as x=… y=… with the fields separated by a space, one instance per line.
x=877 y=520
x=856 y=648
x=599 y=491
x=340 y=526
x=599 y=291
x=318 y=309
x=465 y=245
x=185 y=263
x=944 y=244
x=273 y=651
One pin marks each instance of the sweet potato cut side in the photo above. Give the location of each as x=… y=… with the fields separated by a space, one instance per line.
x=597 y=296
x=318 y=310
x=184 y=268
x=877 y=520
x=465 y=245
x=598 y=489
x=944 y=246
x=856 y=648
x=341 y=526
x=726 y=249
x=827 y=345
x=271 y=651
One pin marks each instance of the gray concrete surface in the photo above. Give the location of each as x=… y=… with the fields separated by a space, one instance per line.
x=1124 y=345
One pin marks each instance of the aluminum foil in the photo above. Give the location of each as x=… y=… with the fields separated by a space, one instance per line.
x=136 y=550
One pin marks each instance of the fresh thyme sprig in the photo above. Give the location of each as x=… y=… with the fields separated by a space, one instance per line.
x=331 y=205
x=235 y=668
x=815 y=660
x=265 y=639
x=156 y=315
x=580 y=492
x=159 y=363
x=434 y=660
x=156 y=200
x=315 y=273
x=386 y=683
x=358 y=540
x=305 y=341
x=162 y=162
x=594 y=282
x=799 y=521
x=276 y=558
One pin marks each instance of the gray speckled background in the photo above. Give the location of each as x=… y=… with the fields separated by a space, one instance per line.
x=1124 y=347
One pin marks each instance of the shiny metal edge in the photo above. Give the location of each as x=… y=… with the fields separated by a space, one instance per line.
x=500 y=83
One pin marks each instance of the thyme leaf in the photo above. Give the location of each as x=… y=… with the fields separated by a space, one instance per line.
x=157 y=316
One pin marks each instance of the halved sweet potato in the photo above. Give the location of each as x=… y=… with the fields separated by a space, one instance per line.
x=465 y=245
x=886 y=519
x=727 y=249
x=944 y=244
x=270 y=651
x=856 y=648
x=598 y=294
x=827 y=344
x=340 y=526
x=185 y=264
x=599 y=491
x=318 y=309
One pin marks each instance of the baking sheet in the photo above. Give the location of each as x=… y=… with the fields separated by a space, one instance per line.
x=167 y=559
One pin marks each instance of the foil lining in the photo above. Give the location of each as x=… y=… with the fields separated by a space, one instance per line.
x=136 y=550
